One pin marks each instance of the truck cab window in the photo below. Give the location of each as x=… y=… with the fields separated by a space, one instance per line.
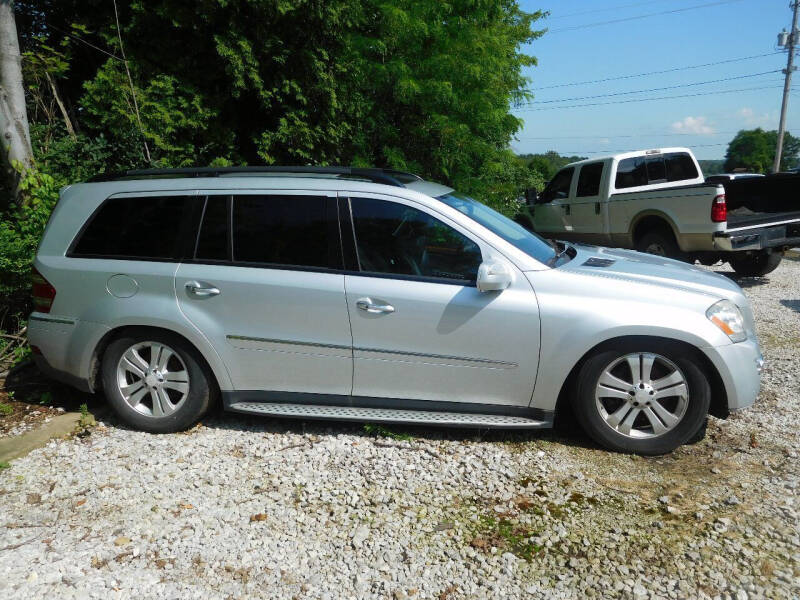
x=631 y=172
x=558 y=188
x=589 y=180
x=679 y=166
x=656 y=172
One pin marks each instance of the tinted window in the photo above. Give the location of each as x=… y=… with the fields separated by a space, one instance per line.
x=213 y=242
x=631 y=172
x=680 y=166
x=145 y=227
x=656 y=173
x=397 y=239
x=558 y=188
x=589 y=180
x=512 y=232
x=281 y=230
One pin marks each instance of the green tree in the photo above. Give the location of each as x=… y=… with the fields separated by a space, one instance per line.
x=754 y=150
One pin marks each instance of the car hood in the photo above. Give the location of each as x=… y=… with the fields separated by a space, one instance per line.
x=628 y=265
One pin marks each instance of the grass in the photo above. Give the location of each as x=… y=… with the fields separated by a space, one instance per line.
x=6 y=409
x=4 y=465
x=381 y=431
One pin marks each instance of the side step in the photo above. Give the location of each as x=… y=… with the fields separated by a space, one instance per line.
x=388 y=415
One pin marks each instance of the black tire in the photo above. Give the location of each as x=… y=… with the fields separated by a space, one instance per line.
x=196 y=402
x=754 y=264
x=689 y=426
x=660 y=242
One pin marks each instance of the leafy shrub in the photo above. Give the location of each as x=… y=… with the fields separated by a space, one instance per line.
x=21 y=227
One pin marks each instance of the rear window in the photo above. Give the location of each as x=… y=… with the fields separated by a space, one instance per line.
x=680 y=166
x=658 y=168
x=283 y=230
x=146 y=227
x=589 y=180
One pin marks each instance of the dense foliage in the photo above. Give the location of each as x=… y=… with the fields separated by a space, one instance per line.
x=546 y=165
x=754 y=151
x=422 y=85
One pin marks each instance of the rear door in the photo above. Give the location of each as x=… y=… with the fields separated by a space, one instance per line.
x=265 y=287
x=421 y=329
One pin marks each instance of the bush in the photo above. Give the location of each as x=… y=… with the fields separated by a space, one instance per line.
x=21 y=227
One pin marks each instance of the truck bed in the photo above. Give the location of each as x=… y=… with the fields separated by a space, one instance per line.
x=763 y=200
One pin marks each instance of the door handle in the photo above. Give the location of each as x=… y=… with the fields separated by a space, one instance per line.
x=201 y=289
x=369 y=306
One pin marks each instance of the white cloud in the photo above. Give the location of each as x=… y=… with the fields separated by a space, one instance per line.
x=697 y=125
x=751 y=119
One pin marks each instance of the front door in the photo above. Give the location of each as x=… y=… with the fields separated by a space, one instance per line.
x=421 y=329
x=588 y=211
x=266 y=289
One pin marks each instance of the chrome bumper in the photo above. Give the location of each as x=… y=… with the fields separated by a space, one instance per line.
x=758 y=238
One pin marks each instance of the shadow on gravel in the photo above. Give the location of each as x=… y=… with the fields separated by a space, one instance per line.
x=745 y=282
x=793 y=304
x=26 y=384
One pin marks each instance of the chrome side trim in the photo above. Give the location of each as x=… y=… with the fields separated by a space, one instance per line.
x=466 y=359
x=247 y=338
x=480 y=361
x=51 y=320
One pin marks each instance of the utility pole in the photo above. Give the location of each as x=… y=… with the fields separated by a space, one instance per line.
x=791 y=42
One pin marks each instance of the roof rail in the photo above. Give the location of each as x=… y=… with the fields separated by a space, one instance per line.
x=385 y=176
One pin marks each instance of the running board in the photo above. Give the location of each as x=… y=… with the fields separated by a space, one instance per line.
x=388 y=415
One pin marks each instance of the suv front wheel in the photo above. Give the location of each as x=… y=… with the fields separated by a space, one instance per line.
x=646 y=399
x=155 y=381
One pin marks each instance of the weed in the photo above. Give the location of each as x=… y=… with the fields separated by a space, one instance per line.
x=4 y=465
x=507 y=535
x=6 y=409
x=381 y=431
x=84 y=410
x=46 y=399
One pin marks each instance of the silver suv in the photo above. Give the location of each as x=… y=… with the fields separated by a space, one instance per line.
x=373 y=295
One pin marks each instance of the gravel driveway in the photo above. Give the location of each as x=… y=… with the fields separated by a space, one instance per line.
x=247 y=508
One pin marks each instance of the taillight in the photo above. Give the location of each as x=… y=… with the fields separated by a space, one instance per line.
x=43 y=292
x=719 y=209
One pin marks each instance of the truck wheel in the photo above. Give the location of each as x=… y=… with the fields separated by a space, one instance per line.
x=660 y=243
x=644 y=397
x=754 y=264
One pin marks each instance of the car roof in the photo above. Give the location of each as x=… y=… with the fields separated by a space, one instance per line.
x=623 y=155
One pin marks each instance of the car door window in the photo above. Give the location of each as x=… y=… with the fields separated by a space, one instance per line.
x=396 y=239
x=558 y=188
x=213 y=242
x=283 y=231
x=589 y=180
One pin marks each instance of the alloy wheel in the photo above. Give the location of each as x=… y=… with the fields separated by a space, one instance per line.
x=642 y=395
x=152 y=379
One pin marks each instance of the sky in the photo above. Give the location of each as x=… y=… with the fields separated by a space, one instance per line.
x=578 y=49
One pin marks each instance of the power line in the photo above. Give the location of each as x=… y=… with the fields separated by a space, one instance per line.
x=82 y=41
x=607 y=8
x=655 y=14
x=658 y=89
x=711 y=64
x=648 y=99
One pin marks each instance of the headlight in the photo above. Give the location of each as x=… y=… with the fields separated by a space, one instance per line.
x=726 y=315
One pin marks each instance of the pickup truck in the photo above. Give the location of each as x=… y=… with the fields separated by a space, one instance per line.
x=657 y=201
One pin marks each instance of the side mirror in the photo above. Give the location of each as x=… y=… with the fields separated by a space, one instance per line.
x=531 y=196
x=493 y=276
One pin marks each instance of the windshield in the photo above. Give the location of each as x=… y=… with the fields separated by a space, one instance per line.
x=512 y=232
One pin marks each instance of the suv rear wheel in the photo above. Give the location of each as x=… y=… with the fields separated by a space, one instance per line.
x=155 y=381
x=647 y=398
